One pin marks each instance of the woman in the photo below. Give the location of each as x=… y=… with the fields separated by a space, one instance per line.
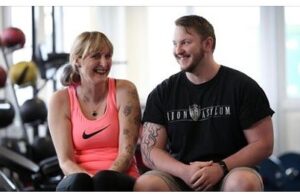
x=94 y=121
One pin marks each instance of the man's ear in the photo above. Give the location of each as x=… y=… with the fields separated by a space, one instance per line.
x=208 y=43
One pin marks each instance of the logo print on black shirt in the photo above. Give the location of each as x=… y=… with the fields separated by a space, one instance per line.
x=194 y=111
x=87 y=136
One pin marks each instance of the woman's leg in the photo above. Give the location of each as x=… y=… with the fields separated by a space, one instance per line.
x=108 y=180
x=76 y=182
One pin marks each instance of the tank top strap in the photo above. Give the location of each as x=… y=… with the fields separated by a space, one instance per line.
x=72 y=97
x=112 y=92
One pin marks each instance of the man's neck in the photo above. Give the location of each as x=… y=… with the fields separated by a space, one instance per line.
x=204 y=73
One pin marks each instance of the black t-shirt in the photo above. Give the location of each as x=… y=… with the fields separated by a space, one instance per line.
x=206 y=121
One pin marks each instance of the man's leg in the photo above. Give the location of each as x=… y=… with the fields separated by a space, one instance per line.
x=159 y=181
x=242 y=179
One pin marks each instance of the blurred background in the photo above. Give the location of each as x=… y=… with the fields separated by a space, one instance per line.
x=261 y=41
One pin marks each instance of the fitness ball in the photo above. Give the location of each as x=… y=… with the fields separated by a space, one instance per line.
x=24 y=73
x=33 y=110
x=7 y=113
x=3 y=77
x=12 y=36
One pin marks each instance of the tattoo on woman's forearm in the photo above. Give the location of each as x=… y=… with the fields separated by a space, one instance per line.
x=149 y=141
x=130 y=149
x=121 y=163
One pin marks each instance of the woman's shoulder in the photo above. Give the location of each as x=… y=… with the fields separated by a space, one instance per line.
x=123 y=84
x=125 y=91
x=60 y=96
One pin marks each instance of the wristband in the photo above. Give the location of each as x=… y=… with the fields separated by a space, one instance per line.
x=223 y=166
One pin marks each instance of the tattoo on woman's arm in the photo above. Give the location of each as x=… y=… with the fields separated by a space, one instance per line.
x=148 y=142
x=127 y=110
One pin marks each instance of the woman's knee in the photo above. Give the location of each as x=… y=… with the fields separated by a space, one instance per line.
x=108 y=180
x=76 y=182
x=242 y=179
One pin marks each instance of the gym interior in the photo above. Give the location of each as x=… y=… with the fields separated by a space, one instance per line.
x=261 y=41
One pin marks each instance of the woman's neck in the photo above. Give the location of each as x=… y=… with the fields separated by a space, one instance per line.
x=93 y=93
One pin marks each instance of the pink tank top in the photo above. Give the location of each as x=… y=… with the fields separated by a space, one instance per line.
x=96 y=142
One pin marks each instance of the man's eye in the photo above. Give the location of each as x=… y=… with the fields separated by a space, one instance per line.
x=186 y=42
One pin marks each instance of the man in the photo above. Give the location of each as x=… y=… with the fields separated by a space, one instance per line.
x=206 y=127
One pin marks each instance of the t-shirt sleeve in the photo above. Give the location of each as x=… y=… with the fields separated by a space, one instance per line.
x=254 y=105
x=154 y=110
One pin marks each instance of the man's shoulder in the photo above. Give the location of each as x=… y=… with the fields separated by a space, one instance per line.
x=164 y=87
x=235 y=74
x=172 y=79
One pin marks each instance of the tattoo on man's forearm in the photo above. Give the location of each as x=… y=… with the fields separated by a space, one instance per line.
x=149 y=141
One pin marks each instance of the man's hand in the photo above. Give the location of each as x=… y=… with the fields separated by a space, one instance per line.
x=206 y=177
x=192 y=169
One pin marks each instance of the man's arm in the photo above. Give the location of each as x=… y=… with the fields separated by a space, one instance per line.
x=260 y=145
x=153 y=144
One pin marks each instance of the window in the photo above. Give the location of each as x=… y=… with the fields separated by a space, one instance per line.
x=292 y=44
x=21 y=18
x=237 y=37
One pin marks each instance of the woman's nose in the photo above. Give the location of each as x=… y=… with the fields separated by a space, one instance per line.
x=105 y=61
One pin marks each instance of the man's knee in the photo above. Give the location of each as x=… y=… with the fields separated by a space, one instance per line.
x=242 y=179
x=150 y=183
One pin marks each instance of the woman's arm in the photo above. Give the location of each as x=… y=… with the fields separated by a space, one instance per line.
x=60 y=130
x=129 y=122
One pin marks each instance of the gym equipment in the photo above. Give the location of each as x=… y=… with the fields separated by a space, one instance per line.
x=3 y=77
x=24 y=73
x=273 y=174
x=33 y=110
x=291 y=163
x=31 y=176
x=42 y=147
x=6 y=184
x=12 y=36
x=7 y=113
x=53 y=61
x=25 y=174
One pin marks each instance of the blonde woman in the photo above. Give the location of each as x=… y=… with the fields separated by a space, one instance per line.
x=94 y=121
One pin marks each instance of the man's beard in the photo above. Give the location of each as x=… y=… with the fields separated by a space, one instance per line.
x=193 y=66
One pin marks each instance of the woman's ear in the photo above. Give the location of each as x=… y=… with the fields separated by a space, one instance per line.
x=77 y=63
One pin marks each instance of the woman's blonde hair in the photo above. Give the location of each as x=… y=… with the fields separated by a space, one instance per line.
x=84 y=44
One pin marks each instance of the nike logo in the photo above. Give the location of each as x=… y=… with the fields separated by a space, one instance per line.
x=87 y=136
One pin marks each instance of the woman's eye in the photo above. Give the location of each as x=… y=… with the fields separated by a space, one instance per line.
x=97 y=55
